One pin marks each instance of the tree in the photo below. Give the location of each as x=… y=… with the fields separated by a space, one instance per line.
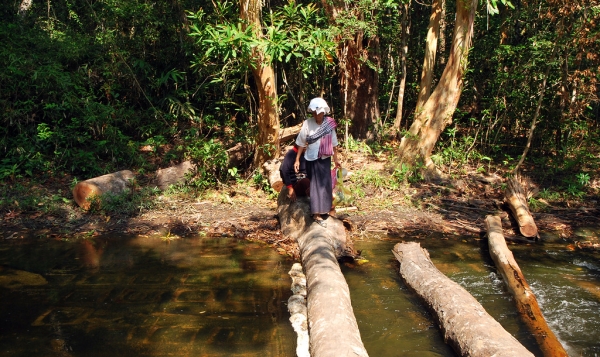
x=267 y=140
x=436 y=114
x=359 y=62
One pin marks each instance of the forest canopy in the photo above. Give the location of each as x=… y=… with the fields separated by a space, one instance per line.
x=90 y=87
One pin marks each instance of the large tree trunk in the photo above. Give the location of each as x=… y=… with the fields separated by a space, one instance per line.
x=332 y=324
x=516 y=198
x=359 y=83
x=517 y=285
x=115 y=183
x=267 y=141
x=438 y=110
x=466 y=326
x=430 y=53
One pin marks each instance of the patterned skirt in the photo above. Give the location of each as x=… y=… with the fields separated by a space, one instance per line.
x=321 y=191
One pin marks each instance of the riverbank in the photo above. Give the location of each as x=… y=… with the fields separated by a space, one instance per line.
x=383 y=203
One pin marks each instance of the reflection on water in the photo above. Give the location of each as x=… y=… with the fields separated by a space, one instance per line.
x=393 y=322
x=143 y=297
x=222 y=297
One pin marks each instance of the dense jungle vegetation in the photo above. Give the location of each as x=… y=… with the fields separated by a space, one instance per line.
x=93 y=86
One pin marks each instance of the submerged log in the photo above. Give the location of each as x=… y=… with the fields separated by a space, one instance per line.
x=115 y=183
x=516 y=198
x=298 y=312
x=466 y=326
x=332 y=324
x=517 y=285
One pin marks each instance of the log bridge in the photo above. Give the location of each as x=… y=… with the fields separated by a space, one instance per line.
x=331 y=321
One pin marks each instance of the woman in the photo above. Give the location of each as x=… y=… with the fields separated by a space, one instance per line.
x=318 y=138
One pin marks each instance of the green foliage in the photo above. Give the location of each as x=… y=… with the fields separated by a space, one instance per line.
x=263 y=183
x=210 y=158
x=126 y=204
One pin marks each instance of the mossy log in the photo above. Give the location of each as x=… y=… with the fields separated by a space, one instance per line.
x=465 y=324
x=332 y=325
x=517 y=285
x=516 y=198
x=115 y=183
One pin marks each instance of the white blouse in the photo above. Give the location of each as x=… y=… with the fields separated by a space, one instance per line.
x=309 y=127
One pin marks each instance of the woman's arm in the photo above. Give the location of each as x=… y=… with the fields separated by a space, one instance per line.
x=335 y=158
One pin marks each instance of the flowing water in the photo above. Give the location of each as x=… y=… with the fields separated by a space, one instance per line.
x=221 y=297
x=393 y=322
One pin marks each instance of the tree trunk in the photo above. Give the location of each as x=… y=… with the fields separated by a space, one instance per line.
x=430 y=53
x=466 y=326
x=438 y=110
x=357 y=79
x=332 y=324
x=267 y=141
x=115 y=183
x=516 y=198
x=517 y=285
x=404 y=54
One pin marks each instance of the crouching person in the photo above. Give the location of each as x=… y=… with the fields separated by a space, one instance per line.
x=297 y=183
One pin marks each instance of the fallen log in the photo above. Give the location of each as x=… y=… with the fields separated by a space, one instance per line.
x=172 y=175
x=298 y=312
x=517 y=285
x=465 y=324
x=516 y=198
x=332 y=324
x=271 y=171
x=286 y=134
x=115 y=183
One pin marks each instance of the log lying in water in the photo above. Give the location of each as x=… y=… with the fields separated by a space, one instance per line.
x=516 y=198
x=115 y=183
x=298 y=312
x=466 y=326
x=517 y=285
x=332 y=324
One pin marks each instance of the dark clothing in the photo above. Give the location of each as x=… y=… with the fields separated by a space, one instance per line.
x=321 y=191
x=286 y=170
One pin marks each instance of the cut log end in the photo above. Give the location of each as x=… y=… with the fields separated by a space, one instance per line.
x=83 y=192
x=529 y=230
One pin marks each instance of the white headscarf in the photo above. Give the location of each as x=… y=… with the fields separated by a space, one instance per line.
x=318 y=105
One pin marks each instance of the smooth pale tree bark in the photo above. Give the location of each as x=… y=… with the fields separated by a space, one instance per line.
x=466 y=326
x=267 y=141
x=332 y=325
x=517 y=285
x=116 y=183
x=442 y=35
x=430 y=54
x=359 y=83
x=437 y=112
x=403 y=55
